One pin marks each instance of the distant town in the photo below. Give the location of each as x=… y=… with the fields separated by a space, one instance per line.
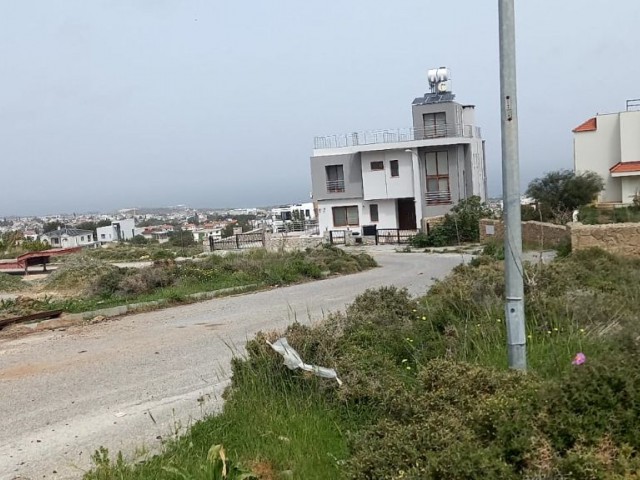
x=156 y=224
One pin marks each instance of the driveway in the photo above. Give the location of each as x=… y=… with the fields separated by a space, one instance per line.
x=131 y=382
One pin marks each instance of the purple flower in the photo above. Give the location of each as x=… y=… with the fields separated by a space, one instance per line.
x=579 y=359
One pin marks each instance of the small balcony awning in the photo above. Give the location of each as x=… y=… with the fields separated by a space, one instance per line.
x=625 y=169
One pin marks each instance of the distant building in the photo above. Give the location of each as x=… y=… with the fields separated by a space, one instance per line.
x=68 y=238
x=609 y=145
x=118 y=231
x=396 y=178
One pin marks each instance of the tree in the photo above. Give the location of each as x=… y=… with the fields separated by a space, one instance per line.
x=559 y=193
x=34 y=245
x=51 y=226
x=460 y=225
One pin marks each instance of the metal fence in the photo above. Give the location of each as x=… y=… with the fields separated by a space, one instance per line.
x=394 y=236
x=239 y=242
x=397 y=135
x=337 y=237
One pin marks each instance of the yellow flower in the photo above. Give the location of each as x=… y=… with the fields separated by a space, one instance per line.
x=424 y=318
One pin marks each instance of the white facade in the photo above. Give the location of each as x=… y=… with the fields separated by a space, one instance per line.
x=118 y=231
x=399 y=178
x=68 y=238
x=609 y=145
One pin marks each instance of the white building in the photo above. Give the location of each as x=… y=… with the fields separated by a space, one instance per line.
x=293 y=217
x=610 y=146
x=68 y=238
x=118 y=231
x=400 y=178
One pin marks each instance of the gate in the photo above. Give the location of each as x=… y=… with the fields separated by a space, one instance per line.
x=394 y=236
x=238 y=242
x=337 y=237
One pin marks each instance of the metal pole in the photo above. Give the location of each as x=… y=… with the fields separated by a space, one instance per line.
x=514 y=287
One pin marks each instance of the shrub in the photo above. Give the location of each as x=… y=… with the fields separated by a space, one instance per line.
x=461 y=225
x=10 y=283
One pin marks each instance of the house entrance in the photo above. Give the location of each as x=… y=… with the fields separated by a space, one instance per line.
x=406 y=214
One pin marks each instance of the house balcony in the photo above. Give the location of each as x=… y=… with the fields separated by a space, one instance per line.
x=399 y=135
x=335 y=186
x=439 y=197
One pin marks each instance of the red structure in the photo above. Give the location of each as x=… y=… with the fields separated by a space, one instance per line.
x=42 y=257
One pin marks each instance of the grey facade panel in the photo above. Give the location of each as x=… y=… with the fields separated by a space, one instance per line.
x=352 y=168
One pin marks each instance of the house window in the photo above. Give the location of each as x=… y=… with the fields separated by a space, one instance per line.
x=345 y=216
x=373 y=212
x=335 y=178
x=102 y=235
x=307 y=213
x=377 y=166
x=437 y=165
x=395 y=168
x=435 y=124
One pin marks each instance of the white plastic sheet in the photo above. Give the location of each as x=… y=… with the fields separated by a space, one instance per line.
x=293 y=360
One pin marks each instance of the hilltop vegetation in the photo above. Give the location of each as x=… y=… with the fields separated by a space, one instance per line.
x=85 y=283
x=426 y=392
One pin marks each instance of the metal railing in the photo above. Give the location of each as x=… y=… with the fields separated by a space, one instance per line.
x=238 y=242
x=438 y=197
x=407 y=134
x=335 y=186
x=307 y=227
x=395 y=236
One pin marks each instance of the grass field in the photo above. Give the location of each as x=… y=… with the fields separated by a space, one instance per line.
x=426 y=390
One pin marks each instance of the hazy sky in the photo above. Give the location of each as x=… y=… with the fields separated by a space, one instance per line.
x=106 y=104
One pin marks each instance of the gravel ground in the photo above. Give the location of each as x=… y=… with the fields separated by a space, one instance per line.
x=131 y=382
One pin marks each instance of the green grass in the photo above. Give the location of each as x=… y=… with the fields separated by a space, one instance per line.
x=10 y=283
x=94 y=284
x=427 y=393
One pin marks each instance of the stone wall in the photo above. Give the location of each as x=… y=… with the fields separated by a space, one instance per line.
x=277 y=241
x=534 y=234
x=428 y=223
x=619 y=238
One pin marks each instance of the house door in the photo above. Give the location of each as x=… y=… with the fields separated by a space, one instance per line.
x=406 y=214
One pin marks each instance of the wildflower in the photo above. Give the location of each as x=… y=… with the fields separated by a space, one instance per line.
x=424 y=318
x=498 y=320
x=404 y=360
x=408 y=367
x=529 y=337
x=549 y=332
x=579 y=359
x=555 y=329
x=414 y=310
x=582 y=330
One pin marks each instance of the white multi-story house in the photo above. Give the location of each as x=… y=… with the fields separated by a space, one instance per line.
x=68 y=238
x=610 y=146
x=400 y=178
x=118 y=231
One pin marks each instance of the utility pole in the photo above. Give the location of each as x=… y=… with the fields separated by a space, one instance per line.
x=514 y=286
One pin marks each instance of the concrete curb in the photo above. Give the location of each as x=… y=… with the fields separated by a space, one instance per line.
x=72 y=319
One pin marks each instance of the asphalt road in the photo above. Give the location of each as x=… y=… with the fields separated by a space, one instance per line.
x=126 y=384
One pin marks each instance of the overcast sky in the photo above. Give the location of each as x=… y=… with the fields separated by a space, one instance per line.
x=129 y=103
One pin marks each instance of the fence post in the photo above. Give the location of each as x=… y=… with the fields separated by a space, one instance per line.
x=398 y=236
x=376 y=236
x=330 y=237
x=237 y=241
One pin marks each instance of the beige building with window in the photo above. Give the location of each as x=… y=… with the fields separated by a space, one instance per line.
x=395 y=178
x=610 y=146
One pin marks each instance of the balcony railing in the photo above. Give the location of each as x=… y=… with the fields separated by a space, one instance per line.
x=438 y=197
x=335 y=186
x=408 y=134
